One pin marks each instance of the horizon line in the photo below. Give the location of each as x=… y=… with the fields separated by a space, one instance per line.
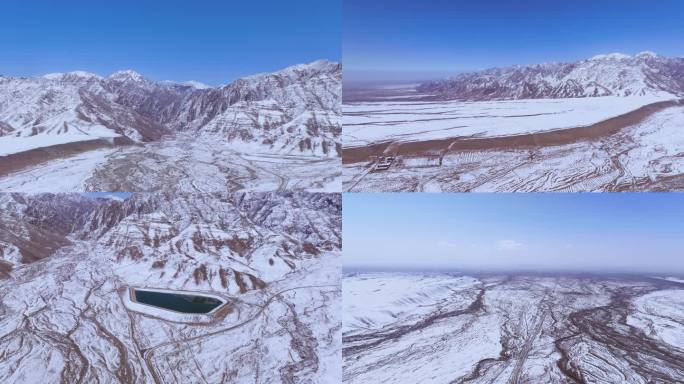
x=505 y=270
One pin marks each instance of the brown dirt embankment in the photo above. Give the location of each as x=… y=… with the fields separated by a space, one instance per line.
x=529 y=140
x=22 y=160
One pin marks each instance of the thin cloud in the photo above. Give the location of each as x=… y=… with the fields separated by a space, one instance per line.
x=509 y=245
x=449 y=244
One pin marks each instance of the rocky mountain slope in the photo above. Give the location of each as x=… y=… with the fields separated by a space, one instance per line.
x=32 y=228
x=614 y=74
x=229 y=242
x=294 y=111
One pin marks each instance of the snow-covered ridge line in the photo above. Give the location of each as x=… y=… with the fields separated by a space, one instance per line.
x=614 y=74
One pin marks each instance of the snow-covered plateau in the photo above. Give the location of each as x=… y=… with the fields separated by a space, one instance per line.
x=68 y=262
x=452 y=328
x=272 y=131
x=537 y=128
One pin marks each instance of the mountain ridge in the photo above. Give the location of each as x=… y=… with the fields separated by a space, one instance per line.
x=615 y=74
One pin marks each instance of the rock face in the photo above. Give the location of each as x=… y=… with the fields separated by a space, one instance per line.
x=271 y=258
x=295 y=110
x=614 y=74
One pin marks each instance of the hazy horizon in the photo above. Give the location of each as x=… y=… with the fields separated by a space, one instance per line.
x=380 y=77
x=627 y=233
x=438 y=35
x=350 y=269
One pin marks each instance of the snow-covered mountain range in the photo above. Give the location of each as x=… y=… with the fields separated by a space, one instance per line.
x=292 y=111
x=613 y=74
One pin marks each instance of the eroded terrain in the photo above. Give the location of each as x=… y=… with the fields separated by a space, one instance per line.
x=448 y=328
x=67 y=316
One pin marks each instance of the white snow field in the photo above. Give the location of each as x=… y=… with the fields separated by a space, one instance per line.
x=644 y=155
x=372 y=122
x=448 y=328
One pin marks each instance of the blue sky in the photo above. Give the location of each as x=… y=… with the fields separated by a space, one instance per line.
x=624 y=232
x=439 y=35
x=210 y=41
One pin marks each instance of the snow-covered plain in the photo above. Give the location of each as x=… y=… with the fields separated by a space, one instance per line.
x=432 y=328
x=648 y=155
x=371 y=122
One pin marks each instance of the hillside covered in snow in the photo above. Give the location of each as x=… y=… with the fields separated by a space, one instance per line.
x=68 y=263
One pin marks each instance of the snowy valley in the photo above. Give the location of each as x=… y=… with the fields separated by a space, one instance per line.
x=127 y=132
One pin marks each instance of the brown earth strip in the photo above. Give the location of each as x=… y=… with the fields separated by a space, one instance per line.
x=368 y=341
x=531 y=140
x=22 y=160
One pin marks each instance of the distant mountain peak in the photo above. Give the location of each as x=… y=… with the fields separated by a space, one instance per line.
x=127 y=74
x=314 y=67
x=196 y=84
x=647 y=54
x=611 y=56
x=189 y=83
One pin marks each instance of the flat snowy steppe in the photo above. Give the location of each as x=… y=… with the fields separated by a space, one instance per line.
x=370 y=122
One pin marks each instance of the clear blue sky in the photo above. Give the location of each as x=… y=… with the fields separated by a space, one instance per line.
x=592 y=232
x=210 y=41
x=439 y=35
